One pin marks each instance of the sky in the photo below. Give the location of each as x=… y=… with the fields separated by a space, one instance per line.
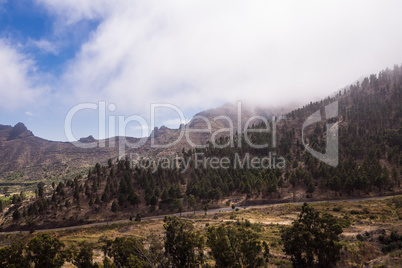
x=115 y=58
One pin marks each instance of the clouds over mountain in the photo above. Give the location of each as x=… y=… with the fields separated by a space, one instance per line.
x=200 y=54
x=196 y=52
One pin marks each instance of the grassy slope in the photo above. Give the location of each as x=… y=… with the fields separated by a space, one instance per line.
x=367 y=218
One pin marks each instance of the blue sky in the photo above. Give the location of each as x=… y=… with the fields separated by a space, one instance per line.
x=195 y=55
x=29 y=28
x=30 y=25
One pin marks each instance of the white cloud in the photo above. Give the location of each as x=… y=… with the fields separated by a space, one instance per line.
x=196 y=54
x=72 y=11
x=17 y=79
x=45 y=46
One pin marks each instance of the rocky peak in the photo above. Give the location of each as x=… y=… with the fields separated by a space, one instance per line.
x=19 y=131
x=88 y=139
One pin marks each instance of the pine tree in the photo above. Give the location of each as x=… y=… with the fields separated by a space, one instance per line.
x=114 y=206
x=319 y=235
x=191 y=202
x=16 y=215
x=311 y=188
x=178 y=205
x=165 y=195
x=153 y=201
x=335 y=184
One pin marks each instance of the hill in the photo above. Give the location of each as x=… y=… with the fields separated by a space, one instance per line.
x=26 y=159
x=369 y=121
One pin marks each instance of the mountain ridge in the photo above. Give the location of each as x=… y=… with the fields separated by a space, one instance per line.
x=41 y=159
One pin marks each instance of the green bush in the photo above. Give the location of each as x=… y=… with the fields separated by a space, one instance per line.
x=360 y=237
x=391 y=243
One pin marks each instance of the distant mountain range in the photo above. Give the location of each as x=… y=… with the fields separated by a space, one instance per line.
x=27 y=158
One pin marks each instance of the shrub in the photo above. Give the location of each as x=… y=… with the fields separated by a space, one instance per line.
x=391 y=242
x=360 y=237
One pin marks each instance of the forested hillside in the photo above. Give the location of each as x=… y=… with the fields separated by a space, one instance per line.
x=370 y=139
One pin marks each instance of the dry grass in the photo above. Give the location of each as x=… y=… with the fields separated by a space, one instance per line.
x=365 y=218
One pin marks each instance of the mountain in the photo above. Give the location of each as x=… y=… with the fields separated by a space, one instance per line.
x=19 y=131
x=26 y=159
x=205 y=126
x=368 y=119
